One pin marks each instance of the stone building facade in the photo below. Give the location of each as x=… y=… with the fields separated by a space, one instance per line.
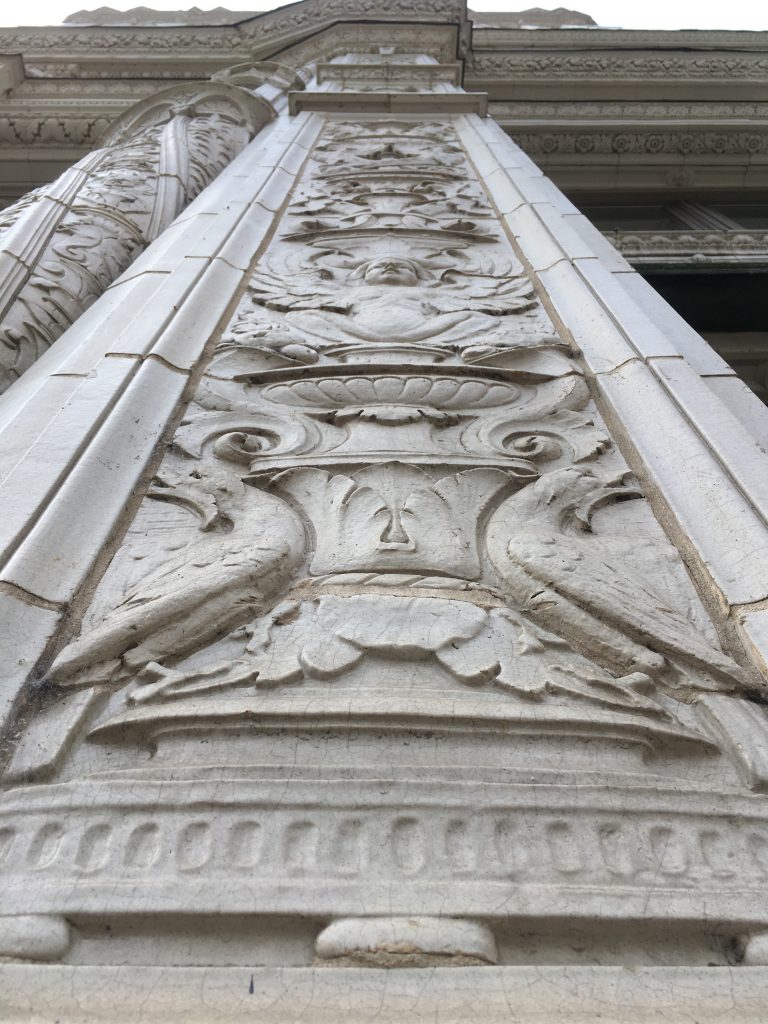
x=384 y=580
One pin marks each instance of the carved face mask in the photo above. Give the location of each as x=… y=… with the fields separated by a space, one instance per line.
x=389 y=271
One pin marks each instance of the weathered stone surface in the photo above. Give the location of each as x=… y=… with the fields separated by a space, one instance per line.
x=75 y=238
x=34 y=937
x=529 y=995
x=370 y=520
x=398 y=938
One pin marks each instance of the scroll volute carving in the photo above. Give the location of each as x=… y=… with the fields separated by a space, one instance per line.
x=207 y=100
x=415 y=467
x=252 y=74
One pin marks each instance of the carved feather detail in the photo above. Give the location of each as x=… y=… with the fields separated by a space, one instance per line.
x=581 y=587
x=214 y=584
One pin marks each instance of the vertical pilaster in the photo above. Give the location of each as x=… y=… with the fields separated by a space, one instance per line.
x=696 y=453
x=381 y=584
x=80 y=429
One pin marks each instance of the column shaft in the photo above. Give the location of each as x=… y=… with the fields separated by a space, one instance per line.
x=64 y=244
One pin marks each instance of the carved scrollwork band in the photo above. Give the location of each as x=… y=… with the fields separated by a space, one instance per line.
x=380 y=851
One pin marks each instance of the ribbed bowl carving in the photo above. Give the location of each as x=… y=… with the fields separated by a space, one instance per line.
x=437 y=392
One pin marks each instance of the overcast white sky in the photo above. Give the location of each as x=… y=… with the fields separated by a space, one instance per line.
x=671 y=14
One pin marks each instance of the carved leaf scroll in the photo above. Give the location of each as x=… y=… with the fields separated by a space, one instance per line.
x=157 y=157
x=441 y=512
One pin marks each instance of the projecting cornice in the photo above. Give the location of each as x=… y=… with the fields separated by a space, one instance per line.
x=270 y=31
x=581 y=101
x=440 y=41
x=65 y=85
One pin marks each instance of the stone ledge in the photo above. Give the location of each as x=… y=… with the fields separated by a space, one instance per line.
x=389 y=102
x=34 y=994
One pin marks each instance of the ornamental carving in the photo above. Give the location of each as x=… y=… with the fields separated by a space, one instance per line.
x=53 y=130
x=692 y=246
x=75 y=237
x=613 y=66
x=392 y=470
x=653 y=141
x=391 y=629
x=260 y=29
x=598 y=109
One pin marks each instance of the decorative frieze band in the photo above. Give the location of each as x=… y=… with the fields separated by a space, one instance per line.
x=740 y=247
x=54 y=129
x=652 y=140
x=621 y=66
x=87 y=849
x=506 y=112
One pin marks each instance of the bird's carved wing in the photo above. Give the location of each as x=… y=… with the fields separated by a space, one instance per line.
x=494 y=291
x=483 y=284
x=313 y=288
x=205 y=590
x=576 y=575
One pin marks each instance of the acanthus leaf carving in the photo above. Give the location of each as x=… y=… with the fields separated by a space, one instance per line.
x=99 y=225
x=435 y=491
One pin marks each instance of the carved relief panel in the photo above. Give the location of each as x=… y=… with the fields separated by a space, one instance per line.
x=392 y=458
x=392 y=539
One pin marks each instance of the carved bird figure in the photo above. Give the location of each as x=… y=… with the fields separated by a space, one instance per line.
x=588 y=589
x=242 y=555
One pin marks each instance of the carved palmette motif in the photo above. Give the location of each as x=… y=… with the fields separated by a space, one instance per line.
x=73 y=239
x=392 y=468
